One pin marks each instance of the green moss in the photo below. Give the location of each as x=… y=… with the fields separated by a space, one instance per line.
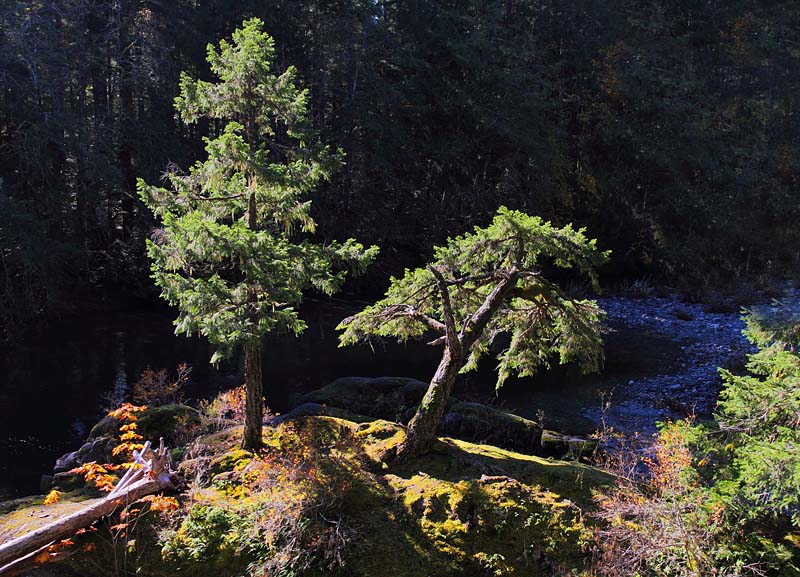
x=484 y=424
x=379 y=437
x=234 y=461
x=472 y=521
x=223 y=441
x=462 y=509
x=164 y=421
x=27 y=514
x=153 y=423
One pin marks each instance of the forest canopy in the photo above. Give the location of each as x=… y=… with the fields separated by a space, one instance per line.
x=669 y=129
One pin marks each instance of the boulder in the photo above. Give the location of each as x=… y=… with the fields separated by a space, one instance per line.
x=97 y=449
x=317 y=410
x=395 y=399
x=390 y=398
x=565 y=446
x=153 y=423
x=484 y=424
x=165 y=421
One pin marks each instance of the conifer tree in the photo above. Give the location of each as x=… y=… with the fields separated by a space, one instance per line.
x=233 y=252
x=482 y=285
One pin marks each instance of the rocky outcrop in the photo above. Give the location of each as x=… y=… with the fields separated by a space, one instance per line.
x=153 y=423
x=484 y=424
x=395 y=399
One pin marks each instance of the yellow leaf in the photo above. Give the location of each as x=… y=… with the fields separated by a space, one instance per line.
x=52 y=497
x=42 y=557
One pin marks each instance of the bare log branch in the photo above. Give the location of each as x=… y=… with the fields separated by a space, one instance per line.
x=154 y=474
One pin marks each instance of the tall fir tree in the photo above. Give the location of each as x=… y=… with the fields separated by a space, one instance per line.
x=233 y=252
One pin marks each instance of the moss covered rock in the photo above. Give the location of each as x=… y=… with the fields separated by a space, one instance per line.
x=309 y=409
x=363 y=399
x=97 y=449
x=390 y=398
x=477 y=422
x=566 y=446
x=153 y=423
x=167 y=421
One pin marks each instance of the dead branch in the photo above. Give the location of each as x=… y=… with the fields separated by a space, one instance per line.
x=152 y=473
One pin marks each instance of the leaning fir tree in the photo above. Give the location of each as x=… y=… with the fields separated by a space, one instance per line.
x=232 y=252
x=482 y=285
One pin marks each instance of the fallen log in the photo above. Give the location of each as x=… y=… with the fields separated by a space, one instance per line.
x=154 y=474
x=36 y=559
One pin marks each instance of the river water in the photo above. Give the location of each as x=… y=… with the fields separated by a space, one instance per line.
x=661 y=359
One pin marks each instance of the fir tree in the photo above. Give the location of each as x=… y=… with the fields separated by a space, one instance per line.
x=481 y=285
x=231 y=252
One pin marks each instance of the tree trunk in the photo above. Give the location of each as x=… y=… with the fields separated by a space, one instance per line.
x=421 y=430
x=254 y=403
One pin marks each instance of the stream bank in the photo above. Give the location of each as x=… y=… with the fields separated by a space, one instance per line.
x=662 y=359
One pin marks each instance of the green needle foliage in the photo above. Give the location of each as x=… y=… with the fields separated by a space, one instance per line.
x=228 y=254
x=482 y=285
x=759 y=415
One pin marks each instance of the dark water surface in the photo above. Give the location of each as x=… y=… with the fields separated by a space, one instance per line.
x=54 y=389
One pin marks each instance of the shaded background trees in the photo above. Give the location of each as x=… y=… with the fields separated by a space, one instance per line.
x=668 y=128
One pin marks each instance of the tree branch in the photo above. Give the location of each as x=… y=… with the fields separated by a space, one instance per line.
x=451 y=333
x=213 y=198
x=543 y=288
x=474 y=278
x=477 y=322
x=405 y=310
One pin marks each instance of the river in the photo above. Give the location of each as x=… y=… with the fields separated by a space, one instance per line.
x=661 y=359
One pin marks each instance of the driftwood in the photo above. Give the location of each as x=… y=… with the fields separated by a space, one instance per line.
x=34 y=560
x=153 y=475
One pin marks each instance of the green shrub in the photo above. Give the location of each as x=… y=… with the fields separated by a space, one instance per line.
x=722 y=499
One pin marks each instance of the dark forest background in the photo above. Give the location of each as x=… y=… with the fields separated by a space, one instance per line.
x=669 y=128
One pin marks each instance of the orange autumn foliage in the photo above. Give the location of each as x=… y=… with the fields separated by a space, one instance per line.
x=101 y=476
x=52 y=497
x=160 y=503
x=97 y=475
x=130 y=438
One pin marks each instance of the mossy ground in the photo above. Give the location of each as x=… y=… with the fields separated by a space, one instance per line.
x=29 y=513
x=462 y=509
